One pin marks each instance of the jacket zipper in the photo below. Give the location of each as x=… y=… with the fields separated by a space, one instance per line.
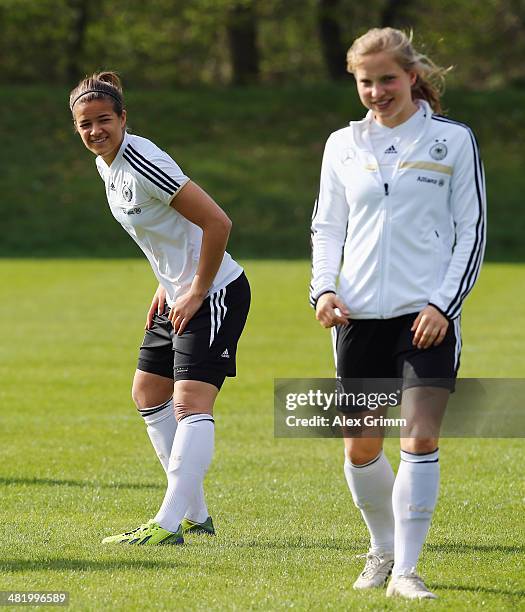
x=384 y=231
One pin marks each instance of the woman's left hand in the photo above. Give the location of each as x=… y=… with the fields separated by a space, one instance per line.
x=430 y=328
x=183 y=310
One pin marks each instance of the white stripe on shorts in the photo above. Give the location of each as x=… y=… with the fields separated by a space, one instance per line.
x=224 y=308
x=212 y=317
x=217 y=312
x=457 y=333
x=334 y=332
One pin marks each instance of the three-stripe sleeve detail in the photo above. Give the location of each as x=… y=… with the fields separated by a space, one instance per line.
x=474 y=262
x=218 y=310
x=312 y=299
x=149 y=170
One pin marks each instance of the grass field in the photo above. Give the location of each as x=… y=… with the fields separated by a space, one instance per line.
x=76 y=463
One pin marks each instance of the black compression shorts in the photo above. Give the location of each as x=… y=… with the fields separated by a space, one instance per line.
x=378 y=350
x=207 y=349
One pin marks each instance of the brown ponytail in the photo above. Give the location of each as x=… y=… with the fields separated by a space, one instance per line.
x=99 y=86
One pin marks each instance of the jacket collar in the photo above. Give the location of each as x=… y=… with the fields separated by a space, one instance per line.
x=360 y=128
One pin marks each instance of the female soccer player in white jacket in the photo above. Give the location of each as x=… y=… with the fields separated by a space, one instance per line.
x=198 y=311
x=402 y=204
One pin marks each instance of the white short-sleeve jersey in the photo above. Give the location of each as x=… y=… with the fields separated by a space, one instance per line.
x=140 y=184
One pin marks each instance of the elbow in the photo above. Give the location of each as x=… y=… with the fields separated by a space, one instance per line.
x=219 y=226
x=226 y=225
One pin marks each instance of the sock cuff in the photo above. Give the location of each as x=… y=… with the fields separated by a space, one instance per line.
x=371 y=463
x=196 y=418
x=432 y=457
x=157 y=413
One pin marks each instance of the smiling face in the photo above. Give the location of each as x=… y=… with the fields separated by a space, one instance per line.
x=385 y=88
x=100 y=128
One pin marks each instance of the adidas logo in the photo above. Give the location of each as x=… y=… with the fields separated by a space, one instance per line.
x=391 y=149
x=112 y=187
x=225 y=354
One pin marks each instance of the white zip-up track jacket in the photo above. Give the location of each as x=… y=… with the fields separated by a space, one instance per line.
x=415 y=241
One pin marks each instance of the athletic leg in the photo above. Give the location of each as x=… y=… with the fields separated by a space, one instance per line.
x=191 y=453
x=370 y=479
x=152 y=395
x=429 y=375
x=362 y=352
x=204 y=355
x=417 y=482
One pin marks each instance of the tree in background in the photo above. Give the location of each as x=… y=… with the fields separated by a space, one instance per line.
x=80 y=14
x=511 y=43
x=171 y=43
x=334 y=51
x=242 y=37
x=394 y=14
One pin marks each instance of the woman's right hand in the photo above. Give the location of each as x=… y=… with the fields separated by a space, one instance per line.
x=157 y=305
x=330 y=311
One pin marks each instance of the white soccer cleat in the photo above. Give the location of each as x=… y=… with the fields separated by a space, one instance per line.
x=376 y=572
x=410 y=586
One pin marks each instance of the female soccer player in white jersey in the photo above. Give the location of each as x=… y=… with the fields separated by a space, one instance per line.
x=198 y=311
x=402 y=202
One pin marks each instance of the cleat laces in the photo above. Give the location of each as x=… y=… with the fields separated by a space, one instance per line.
x=371 y=565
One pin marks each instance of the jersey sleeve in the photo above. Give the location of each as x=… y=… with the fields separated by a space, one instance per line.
x=468 y=207
x=159 y=174
x=328 y=231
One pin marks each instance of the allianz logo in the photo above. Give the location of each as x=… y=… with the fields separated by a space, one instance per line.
x=433 y=181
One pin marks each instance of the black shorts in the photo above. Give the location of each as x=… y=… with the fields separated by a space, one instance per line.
x=382 y=349
x=207 y=349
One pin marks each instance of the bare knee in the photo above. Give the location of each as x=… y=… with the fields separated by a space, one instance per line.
x=150 y=390
x=186 y=406
x=193 y=397
x=362 y=450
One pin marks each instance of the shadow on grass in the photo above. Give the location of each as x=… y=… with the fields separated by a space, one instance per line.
x=477 y=589
x=52 y=482
x=355 y=545
x=86 y=565
x=304 y=544
x=461 y=547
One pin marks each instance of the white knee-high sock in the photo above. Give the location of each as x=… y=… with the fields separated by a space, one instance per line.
x=198 y=510
x=371 y=487
x=190 y=457
x=413 y=499
x=161 y=427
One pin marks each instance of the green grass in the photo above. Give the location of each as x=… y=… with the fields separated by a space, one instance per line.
x=76 y=463
x=256 y=150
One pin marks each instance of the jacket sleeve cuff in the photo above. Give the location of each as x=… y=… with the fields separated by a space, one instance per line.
x=440 y=310
x=313 y=300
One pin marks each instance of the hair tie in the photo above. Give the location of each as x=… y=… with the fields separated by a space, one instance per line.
x=102 y=91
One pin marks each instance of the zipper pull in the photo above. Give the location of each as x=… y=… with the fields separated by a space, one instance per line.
x=386 y=188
